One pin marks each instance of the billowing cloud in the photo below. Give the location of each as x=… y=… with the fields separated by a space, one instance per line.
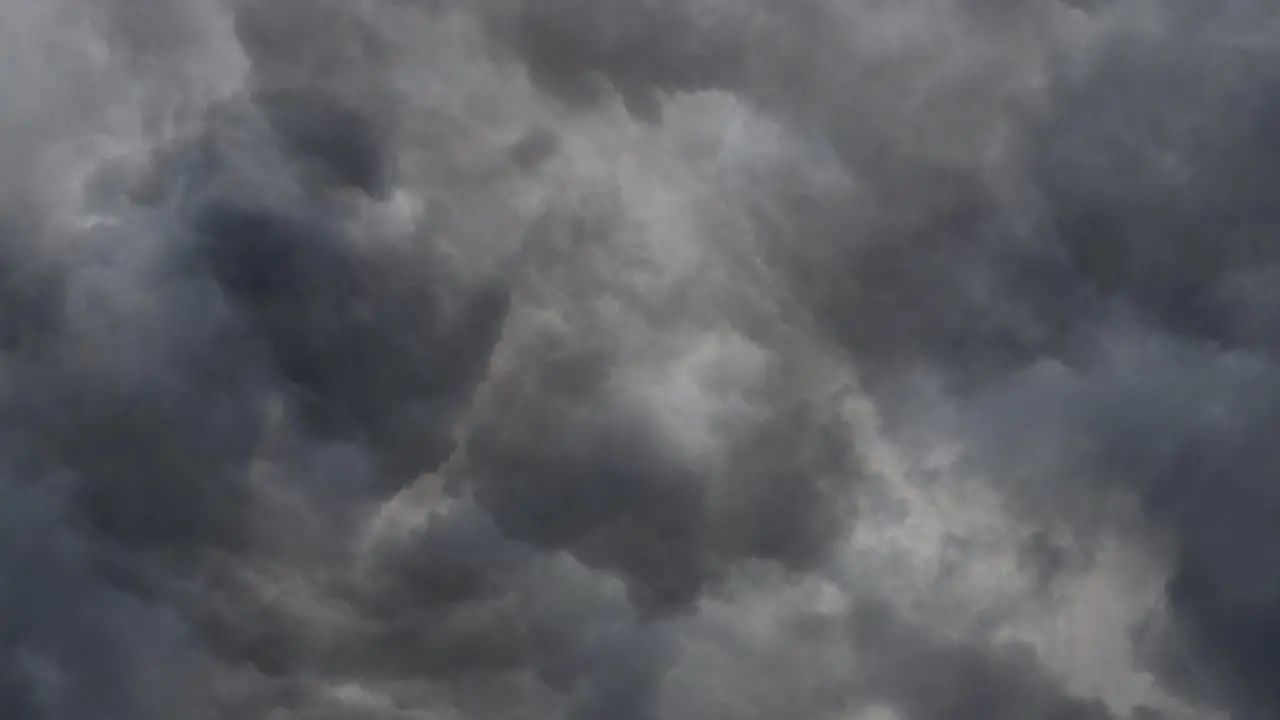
x=638 y=359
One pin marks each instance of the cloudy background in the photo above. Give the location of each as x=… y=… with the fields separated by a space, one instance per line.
x=639 y=359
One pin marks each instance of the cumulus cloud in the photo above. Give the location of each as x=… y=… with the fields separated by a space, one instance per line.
x=638 y=359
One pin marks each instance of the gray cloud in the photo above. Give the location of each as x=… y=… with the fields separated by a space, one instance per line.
x=658 y=360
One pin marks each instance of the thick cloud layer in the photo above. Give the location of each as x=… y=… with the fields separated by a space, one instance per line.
x=638 y=359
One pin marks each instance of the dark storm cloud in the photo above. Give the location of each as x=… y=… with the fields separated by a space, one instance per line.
x=599 y=481
x=74 y=646
x=938 y=269
x=1152 y=171
x=576 y=50
x=368 y=342
x=545 y=614
x=1184 y=425
x=311 y=407
x=142 y=353
x=939 y=680
x=320 y=80
x=1159 y=196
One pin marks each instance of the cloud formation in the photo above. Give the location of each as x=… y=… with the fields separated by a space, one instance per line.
x=649 y=360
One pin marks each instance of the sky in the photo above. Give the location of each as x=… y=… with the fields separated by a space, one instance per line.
x=639 y=360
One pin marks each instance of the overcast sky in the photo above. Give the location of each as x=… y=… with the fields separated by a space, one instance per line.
x=639 y=360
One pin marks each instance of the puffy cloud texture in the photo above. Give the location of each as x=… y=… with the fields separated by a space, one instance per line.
x=639 y=360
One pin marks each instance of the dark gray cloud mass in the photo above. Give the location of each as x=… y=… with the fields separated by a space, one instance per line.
x=639 y=360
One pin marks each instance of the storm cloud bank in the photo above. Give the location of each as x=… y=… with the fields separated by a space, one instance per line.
x=639 y=360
